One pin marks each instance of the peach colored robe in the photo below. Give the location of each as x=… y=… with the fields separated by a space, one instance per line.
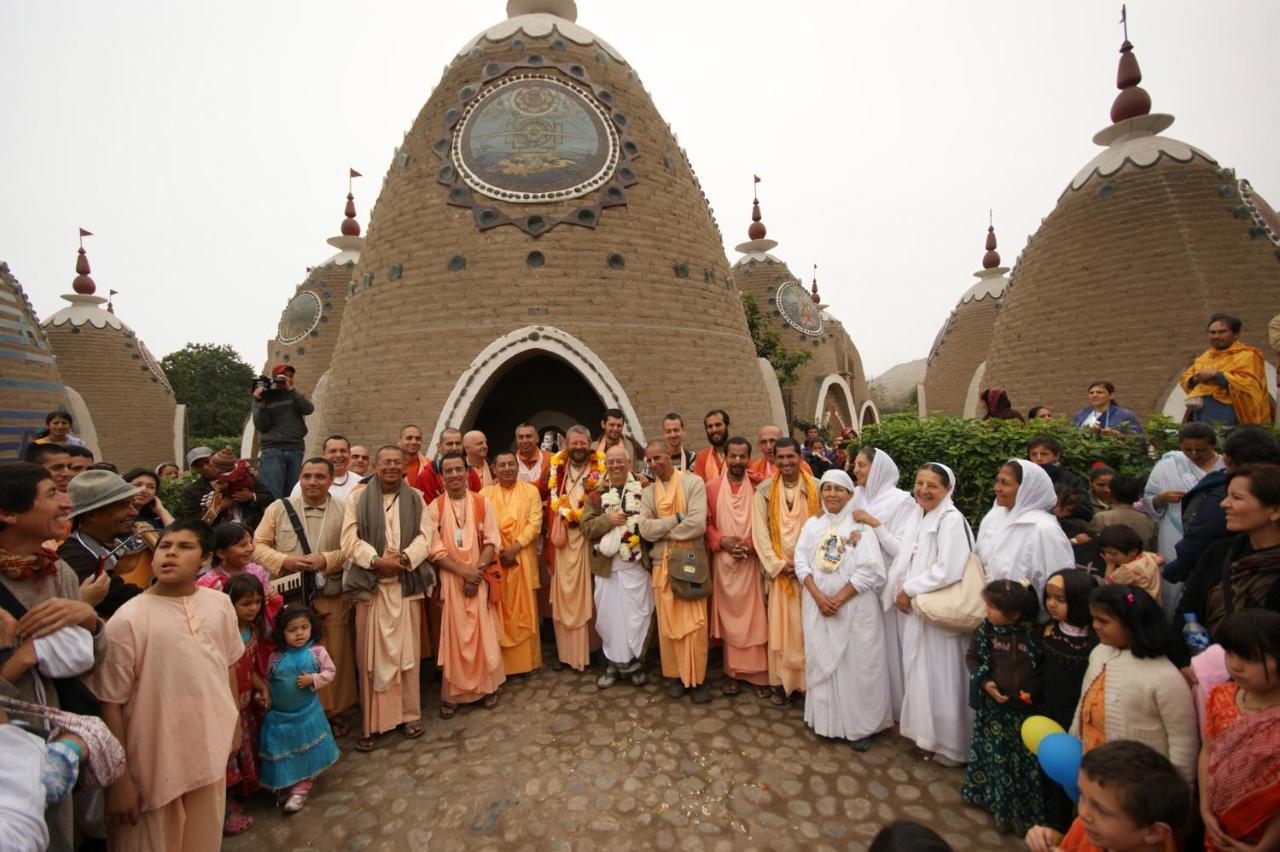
x=571 y=598
x=737 y=604
x=519 y=513
x=786 y=619
x=469 y=655
x=682 y=624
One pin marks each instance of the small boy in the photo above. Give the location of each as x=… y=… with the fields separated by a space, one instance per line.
x=168 y=691
x=1121 y=549
x=1131 y=800
x=1125 y=491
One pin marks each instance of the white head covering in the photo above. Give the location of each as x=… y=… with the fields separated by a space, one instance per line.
x=917 y=525
x=1025 y=542
x=881 y=490
x=836 y=477
x=839 y=477
x=1035 y=493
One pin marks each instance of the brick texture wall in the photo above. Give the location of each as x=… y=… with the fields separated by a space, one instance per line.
x=1119 y=281
x=964 y=346
x=418 y=316
x=30 y=385
x=311 y=355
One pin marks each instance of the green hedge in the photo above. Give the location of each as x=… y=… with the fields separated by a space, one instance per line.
x=218 y=442
x=171 y=490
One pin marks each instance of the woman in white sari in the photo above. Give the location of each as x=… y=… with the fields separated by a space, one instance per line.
x=879 y=503
x=935 y=547
x=1019 y=538
x=839 y=564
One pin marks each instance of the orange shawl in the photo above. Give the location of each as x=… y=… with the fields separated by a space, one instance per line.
x=1245 y=370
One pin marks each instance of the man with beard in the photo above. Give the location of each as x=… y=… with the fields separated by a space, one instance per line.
x=611 y=427
x=469 y=654
x=339 y=452
x=709 y=462
x=429 y=481
x=574 y=473
x=517 y=507
x=102 y=517
x=737 y=606
x=624 y=590
x=783 y=503
x=386 y=535
x=673 y=518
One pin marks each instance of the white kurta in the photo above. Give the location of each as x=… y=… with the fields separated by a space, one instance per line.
x=935 y=703
x=624 y=610
x=1025 y=542
x=846 y=672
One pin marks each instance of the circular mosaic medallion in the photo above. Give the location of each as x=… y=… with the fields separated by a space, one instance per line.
x=153 y=366
x=300 y=317
x=798 y=309
x=532 y=138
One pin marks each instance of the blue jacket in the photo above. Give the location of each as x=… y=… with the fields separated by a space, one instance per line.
x=1116 y=417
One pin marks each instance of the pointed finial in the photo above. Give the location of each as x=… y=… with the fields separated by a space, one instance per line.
x=813 y=292
x=83 y=284
x=1133 y=100
x=111 y=295
x=991 y=259
x=757 y=230
x=350 y=227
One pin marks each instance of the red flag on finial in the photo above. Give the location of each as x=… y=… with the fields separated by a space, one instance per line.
x=355 y=174
x=85 y=233
x=757 y=177
x=112 y=292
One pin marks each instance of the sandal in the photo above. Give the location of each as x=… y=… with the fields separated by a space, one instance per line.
x=237 y=822
x=367 y=743
x=413 y=730
x=341 y=727
x=490 y=701
x=730 y=687
x=448 y=711
x=779 y=698
x=763 y=692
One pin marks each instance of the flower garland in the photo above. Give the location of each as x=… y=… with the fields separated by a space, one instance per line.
x=563 y=503
x=628 y=503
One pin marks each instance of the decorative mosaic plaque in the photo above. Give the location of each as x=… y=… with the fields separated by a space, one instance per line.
x=300 y=317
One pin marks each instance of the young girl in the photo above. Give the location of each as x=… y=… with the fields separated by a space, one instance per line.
x=1004 y=659
x=297 y=742
x=232 y=555
x=1130 y=690
x=242 y=768
x=1240 y=760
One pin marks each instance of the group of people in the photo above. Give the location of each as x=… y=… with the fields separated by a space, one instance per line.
x=265 y=614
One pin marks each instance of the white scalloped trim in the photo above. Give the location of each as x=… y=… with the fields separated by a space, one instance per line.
x=84 y=310
x=988 y=287
x=540 y=25
x=1143 y=150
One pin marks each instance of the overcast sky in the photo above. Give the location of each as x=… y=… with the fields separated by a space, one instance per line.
x=206 y=144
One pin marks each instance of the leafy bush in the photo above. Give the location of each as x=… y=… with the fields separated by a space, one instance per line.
x=171 y=490
x=218 y=442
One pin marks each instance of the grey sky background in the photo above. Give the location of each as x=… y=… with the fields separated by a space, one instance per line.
x=207 y=145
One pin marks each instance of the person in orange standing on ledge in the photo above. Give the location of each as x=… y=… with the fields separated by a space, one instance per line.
x=518 y=509
x=709 y=462
x=673 y=517
x=575 y=472
x=782 y=504
x=467 y=538
x=1227 y=383
x=737 y=607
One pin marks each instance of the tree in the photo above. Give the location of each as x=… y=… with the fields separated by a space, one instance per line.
x=214 y=384
x=769 y=346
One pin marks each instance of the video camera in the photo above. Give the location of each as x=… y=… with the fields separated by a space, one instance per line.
x=267 y=383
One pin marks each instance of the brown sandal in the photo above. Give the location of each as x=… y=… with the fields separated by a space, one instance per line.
x=779 y=698
x=730 y=687
x=490 y=701
x=366 y=743
x=763 y=692
x=448 y=711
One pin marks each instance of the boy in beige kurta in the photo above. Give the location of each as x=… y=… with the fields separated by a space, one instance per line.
x=168 y=695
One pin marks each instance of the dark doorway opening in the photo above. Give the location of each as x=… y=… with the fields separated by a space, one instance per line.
x=540 y=389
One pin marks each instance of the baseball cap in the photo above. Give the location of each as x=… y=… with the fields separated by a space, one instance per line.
x=198 y=453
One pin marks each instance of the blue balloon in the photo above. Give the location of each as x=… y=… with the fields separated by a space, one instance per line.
x=1060 y=759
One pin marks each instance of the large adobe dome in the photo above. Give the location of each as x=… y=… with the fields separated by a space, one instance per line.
x=29 y=376
x=541 y=250
x=136 y=419
x=1147 y=241
x=958 y=357
x=831 y=386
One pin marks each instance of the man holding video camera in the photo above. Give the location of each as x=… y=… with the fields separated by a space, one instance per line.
x=279 y=415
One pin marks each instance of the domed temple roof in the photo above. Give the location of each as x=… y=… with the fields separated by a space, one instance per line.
x=29 y=378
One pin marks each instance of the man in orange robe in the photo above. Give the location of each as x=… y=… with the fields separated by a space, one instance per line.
x=673 y=517
x=571 y=599
x=764 y=467
x=476 y=448
x=709 y=463
x=737 y=605
x=414 y=459
x=1228 y=382
x=429 y=480
x=518 y=510
x=469 y=654
x=782 y=504
x=535 y=469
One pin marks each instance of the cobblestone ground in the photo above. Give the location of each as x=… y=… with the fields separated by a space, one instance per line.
x=561 y=765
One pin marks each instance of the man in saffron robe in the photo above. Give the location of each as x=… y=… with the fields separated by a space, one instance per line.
x=782 y=504
x=1227 y=383
x=765 y=467
x=429 y=480
x=386 y=536
x=709 y=463
x=611 y=428
x=414 y=459
x=518 y=510
x=570 y=550
x=467 y=538
x=737 y=606
x=534 y=462
x=673 y=518
x=476 y=448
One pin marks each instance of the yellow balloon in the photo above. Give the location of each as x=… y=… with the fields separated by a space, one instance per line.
x=1036 y=728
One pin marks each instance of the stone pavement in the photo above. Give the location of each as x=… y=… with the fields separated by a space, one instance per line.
x=561 y=765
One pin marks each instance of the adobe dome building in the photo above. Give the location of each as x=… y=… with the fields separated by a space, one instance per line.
x=831 y=386
x=29 y=378
x=138 y=423
x=957 y=360
x=1148 y=240
x=541 y=250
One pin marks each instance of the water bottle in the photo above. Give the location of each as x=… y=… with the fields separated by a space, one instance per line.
x=1194 y=634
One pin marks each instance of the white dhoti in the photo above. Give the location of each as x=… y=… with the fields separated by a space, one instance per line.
x=847 y=692
x=624 y=610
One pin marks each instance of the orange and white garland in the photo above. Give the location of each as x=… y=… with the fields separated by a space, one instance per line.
x=563 y=503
